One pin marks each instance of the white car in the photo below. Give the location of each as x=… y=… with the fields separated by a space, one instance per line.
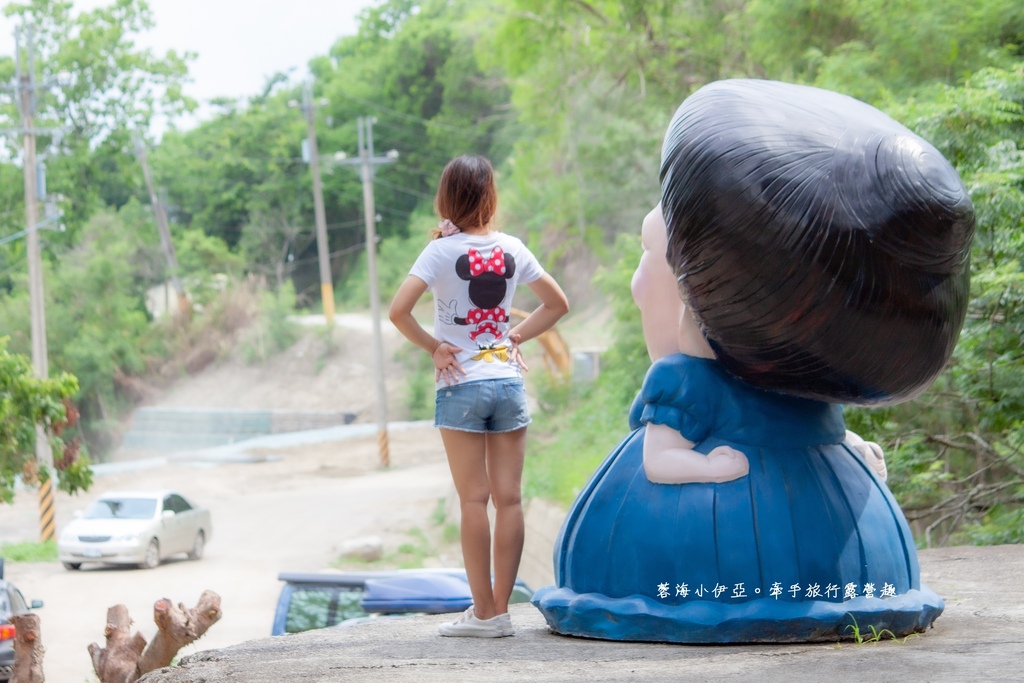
x=135 y=527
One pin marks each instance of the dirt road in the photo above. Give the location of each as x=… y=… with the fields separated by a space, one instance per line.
x=289 y=514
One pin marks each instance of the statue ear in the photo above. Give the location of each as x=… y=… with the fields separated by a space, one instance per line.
x=462 y=267
x=510 y=266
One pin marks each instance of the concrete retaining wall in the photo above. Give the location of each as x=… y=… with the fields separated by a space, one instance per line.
x=543 y=522
x=179 y=429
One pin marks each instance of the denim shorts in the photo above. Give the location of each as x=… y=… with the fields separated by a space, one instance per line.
x=487 y=405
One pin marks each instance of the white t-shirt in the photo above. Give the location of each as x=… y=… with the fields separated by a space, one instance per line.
x=473 y=278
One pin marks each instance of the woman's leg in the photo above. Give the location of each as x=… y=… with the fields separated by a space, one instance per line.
x=467 y=461
x=505 y=454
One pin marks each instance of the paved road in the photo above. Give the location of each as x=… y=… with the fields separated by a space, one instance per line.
x=288 y=514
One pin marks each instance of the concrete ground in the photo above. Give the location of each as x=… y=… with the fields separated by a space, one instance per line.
x=979 y=637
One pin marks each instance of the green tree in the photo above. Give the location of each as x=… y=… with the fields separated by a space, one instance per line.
x=104 y=87
x=97 y=326
x=595 y=83
x=27 y=402
x=412 y=67
x=873 y=48
x=957 y=460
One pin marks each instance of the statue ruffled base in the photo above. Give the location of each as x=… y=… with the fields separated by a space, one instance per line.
x=809 y=546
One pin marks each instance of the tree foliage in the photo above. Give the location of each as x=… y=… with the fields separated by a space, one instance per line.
x=411 y=67
x=27 y=402
x=959 y=465
x=951 y=75
x=570 y=99
x=102 y=88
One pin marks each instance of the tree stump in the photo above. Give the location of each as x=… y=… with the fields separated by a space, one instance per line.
x=28 y=650
x=126 y=658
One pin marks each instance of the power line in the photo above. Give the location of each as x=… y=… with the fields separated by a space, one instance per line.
x=409 y=117
x=405 y=190
x=351 y=249
x=394 y=212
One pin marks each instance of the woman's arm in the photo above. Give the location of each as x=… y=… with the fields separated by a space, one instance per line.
x=553 y=305
x=443 y=354
x=670 y=459
x=401 y=315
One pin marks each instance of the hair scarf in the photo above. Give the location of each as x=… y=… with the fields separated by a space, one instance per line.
x=448 y=228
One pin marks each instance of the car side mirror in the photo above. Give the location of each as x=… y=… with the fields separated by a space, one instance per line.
x=168 y=513
x=35 y=604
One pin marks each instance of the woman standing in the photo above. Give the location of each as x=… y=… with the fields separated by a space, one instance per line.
x=472 y=270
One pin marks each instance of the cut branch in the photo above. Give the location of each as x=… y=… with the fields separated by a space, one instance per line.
x=126 y=659
x=28 y=649
x=114 y=662
x=176 y=628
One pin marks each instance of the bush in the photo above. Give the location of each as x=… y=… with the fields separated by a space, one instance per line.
x=580 y=425
x=273 y=331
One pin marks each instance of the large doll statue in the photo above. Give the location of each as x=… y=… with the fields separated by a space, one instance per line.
x=808 y=251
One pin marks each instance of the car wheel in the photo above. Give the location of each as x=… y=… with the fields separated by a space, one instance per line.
x=197 y=547
x=152 y=558
x=72 y=566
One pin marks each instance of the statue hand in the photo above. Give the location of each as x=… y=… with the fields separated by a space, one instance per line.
x=726 y=463
x=870 y=451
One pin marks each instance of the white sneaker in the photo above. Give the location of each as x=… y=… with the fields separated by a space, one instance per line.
x=468 y=626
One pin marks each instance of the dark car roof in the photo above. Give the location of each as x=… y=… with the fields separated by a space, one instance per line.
x=360 y=578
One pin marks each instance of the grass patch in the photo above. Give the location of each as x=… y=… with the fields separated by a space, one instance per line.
x=45 y=551
x=421 y=547
x=438 y=516
x=451 y=533
x=571 y=436
x=411 y=554
x=861 y=638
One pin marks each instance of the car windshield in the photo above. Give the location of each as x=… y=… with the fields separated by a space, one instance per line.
x=122 y=508
x=318 y=607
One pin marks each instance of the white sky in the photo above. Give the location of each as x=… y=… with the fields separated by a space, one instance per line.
x=238 y=42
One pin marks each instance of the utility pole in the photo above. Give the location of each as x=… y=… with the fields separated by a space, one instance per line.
x=163 y=228
x=26 y=87
x=367 y=162
x=309 y=106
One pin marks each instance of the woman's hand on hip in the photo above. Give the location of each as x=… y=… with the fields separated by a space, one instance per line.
x=446 y=363
x=515 y=354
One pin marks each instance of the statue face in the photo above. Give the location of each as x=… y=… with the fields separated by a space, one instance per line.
x=654 y=290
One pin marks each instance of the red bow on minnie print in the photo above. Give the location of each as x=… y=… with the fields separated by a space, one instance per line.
x=495 y=263
x=486 y=328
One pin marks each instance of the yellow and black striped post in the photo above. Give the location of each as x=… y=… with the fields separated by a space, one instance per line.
x=382 y=445
x=47 y=525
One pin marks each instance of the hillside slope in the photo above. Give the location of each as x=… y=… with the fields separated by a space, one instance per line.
x=307 y=376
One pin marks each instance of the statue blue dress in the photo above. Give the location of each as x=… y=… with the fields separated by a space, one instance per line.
x=808 y=543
